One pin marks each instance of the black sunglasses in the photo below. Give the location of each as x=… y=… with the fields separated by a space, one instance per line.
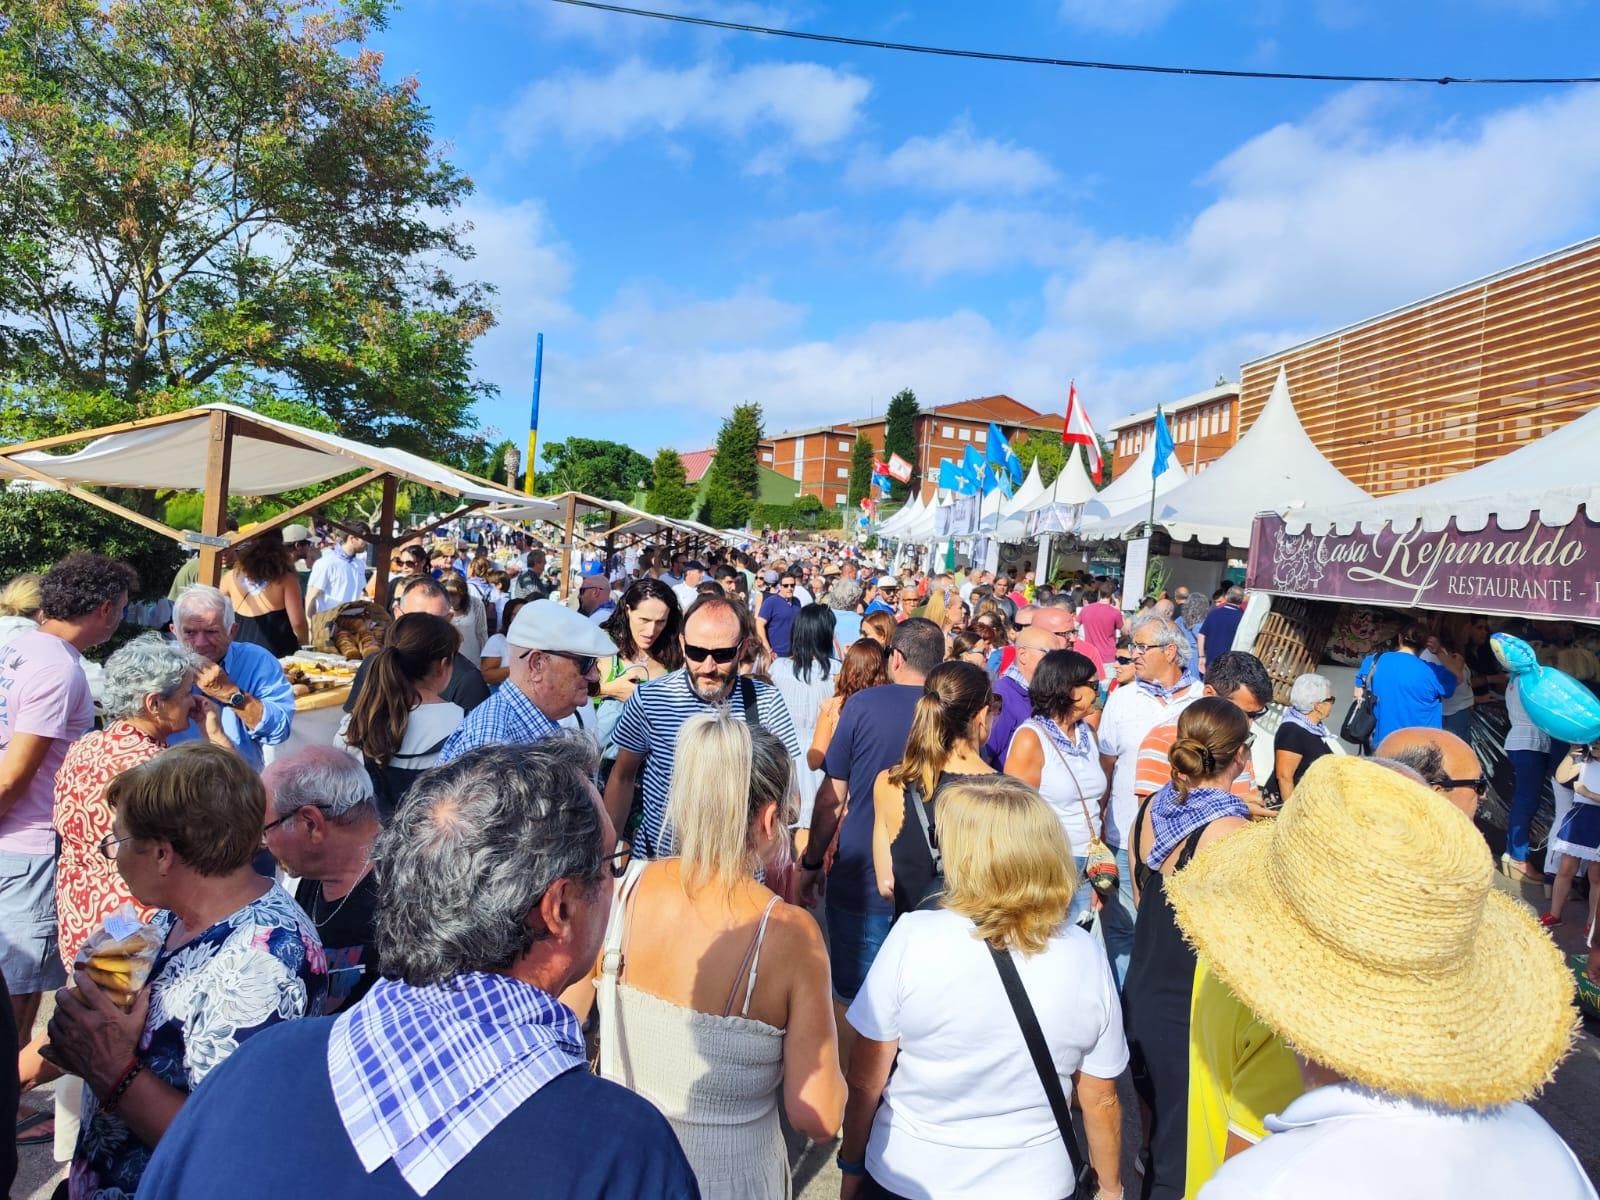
x=584 y=662
x=617 y=861
x=722 y=655
x=1480 y=785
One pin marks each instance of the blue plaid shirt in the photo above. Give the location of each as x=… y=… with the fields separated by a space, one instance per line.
x=505 y=717
x=421 y=1075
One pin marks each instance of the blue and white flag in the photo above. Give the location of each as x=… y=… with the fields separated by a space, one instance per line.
x=949 y=476
x=972 y=472
x=999 y=452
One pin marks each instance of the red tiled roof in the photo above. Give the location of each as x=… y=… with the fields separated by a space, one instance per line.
x=989 y=408
x=696 y=463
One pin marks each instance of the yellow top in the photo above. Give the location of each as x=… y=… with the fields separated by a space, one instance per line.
x=1239 y=1073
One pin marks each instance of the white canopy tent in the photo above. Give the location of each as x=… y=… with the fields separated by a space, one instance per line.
x=1059 y=509
x=223 y=450
x=1131 y=489
x=1547 y=480
x=1012 y=525
x=1274 y=467
x=895 y=526
x=921 y=528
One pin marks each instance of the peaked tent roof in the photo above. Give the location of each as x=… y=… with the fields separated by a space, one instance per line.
x=1548 y=479
x=1273 y=467
x=1027 y=492
x=1072 y=486
x=1131 y=489
x=909 y=512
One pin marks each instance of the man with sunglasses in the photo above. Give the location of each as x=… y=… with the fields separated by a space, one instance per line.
x=555 y=654
x=775 y=621
x=1446 y=763
x=716 y=632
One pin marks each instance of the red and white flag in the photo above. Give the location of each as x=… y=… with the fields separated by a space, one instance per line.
x=899 y=468
x=1076 y=431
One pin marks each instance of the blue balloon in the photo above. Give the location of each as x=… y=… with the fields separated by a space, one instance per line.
x=1555 y=701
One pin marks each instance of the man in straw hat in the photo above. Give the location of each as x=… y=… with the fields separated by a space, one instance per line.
x=1420 y=1026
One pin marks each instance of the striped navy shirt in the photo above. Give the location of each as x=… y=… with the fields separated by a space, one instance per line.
x=649 y=724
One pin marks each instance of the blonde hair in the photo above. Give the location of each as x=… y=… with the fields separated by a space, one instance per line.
x=22 y=596
x=723 y=775
x=1007 y=864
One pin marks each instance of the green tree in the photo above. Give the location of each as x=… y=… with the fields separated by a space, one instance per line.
x=225 y=199
x=670 y=494
x=608 y=470
x=860 y=470
x=735 y=473
x=1048 y=451
x=900 y=437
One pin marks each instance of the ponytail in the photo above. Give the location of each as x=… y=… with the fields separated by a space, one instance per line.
x=953 y=696
x=415 y=644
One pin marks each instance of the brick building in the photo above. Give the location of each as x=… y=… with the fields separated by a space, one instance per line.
x=1449 y=382
x=1204 y=427
x=818 y=457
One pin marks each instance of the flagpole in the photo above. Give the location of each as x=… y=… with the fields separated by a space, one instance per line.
x=1151 y=527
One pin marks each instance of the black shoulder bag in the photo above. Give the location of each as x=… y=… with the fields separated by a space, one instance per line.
x=747 y=697
x=1085 y=1185
x=1362 y=719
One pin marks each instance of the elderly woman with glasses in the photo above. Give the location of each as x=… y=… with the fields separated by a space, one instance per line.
x=236 y=956
x=1303 y=735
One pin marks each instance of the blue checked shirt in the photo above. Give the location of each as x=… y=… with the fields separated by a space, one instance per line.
x=421 y=1075
x=505 y=717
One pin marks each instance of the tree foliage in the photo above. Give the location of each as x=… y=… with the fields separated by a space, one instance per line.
x=735 y=474
x=607 y=470
x=38 y=527
x=900 y=437
x=860 y=470
x=1047 y=451
x=225 y=199
x=670 y=494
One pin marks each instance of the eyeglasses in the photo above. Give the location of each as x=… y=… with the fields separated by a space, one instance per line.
x=109 y=845
x=617 y=861
x=584 y=662
x=786 y=586
x=1480 y=785
x=722 y=655
x=1137 y=648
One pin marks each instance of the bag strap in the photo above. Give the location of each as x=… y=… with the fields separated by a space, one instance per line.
x=1067 y=767
x=747 y=696
x=605 y=984
x=1022 y=1007
x=915 y=796
x=1366 y=682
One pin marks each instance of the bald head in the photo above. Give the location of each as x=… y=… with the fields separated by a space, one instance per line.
x=1059 y=623
x=1034 y=638
x=1446 y=763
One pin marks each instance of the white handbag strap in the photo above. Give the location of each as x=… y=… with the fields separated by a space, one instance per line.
x=605 y=986
x=1083 y=801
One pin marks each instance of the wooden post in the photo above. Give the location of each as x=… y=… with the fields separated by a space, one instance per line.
x=566 y=547
x=383 y=543
x=214 y=511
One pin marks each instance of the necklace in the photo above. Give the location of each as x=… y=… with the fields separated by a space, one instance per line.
x=316 y=901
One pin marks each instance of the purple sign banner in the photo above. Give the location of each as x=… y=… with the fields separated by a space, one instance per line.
x=1535 y=572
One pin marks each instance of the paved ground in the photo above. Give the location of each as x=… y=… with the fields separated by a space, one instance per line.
x=1569 y=1104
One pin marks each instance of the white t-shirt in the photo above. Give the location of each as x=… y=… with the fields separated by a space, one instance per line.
x=1347 y=1141
x=964 y=1113
x=338 y=578
x=1072 y=785
x=427 y=726
x=1129 y=715
x=686 y=595
x=496 y=647
x=804 y=701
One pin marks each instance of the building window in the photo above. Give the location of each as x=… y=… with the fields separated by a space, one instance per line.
x=1205 y=423
x=966 y=435
x=766 y=456
x=844 y=473
x=844 y=447
x=980 y=435
x=839 y=498
x=1224 y=415
x=947 y=431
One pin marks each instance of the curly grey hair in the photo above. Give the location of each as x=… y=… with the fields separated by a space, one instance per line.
x=1164 y=632
x=150 y=665
x=202 y=598
x=473 y=850
x=1195 y=609
x=844 y=594
x=1309 y=690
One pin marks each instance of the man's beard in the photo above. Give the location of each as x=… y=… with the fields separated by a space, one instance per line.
x=718 y=693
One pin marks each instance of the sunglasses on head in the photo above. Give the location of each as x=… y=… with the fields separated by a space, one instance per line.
x=722 y=655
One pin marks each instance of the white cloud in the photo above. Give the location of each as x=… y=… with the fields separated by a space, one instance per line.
x=965 y=239
x=638 y=317
x=1117 y=16
x=957 y=160
x=784 y=106
x=1329 y=219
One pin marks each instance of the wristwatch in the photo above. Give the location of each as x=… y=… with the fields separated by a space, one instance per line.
x=238 y=700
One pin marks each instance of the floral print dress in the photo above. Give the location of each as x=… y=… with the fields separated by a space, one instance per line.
x=262 y=965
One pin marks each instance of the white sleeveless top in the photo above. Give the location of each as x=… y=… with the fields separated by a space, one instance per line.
x=717 y=1079
x=1071 y=783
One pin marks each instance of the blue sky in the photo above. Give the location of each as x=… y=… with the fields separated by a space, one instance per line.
x=696 y=219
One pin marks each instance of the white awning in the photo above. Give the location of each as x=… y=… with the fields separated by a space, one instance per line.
x=1274 y=467
x=1547 y=480
x=268 y=457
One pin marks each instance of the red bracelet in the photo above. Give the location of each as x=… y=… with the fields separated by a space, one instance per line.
x=124 y=1082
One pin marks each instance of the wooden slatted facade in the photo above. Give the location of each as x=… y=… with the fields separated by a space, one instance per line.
x=1451 y=382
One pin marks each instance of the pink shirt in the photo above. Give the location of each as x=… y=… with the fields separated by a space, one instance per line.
x=1098 y=626
x=43 y=692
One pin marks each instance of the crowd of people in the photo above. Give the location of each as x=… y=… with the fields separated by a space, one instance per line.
x=597 y=898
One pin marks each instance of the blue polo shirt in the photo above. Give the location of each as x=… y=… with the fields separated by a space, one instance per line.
x=779 y=615
x=873 y=729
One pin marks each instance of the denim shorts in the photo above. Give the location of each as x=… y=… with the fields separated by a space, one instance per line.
x=854 y=939
x=29 y=958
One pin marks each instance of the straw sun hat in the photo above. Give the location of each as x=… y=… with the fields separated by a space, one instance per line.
x=1363 y=926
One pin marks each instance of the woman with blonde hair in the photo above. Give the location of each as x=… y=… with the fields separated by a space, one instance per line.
x=714 y=993
x=19 y=606
x=967 y=1111
x=880 y=627
x=948 y=728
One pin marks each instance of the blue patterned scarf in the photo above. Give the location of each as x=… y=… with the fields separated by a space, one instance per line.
x=1172 y=820
x=1293 y=716
x=1078 y=746
x=1164 y=694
